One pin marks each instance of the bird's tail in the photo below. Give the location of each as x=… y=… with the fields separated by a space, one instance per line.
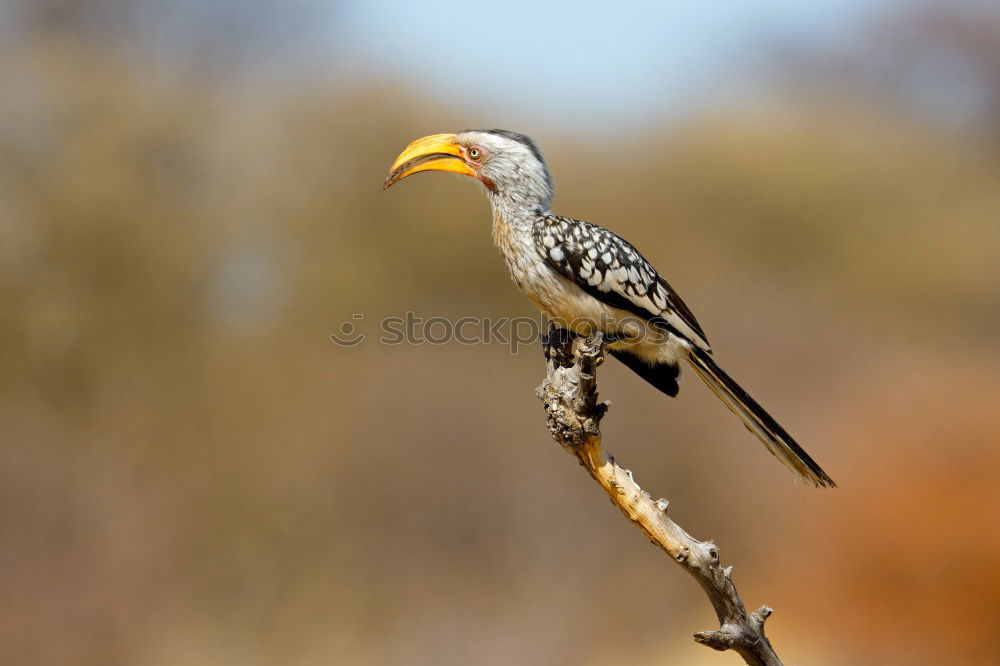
x=758 y=421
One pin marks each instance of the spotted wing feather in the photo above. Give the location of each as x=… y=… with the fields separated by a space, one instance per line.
x=609 y=268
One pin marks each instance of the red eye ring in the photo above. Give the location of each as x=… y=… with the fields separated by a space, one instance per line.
x=475 y=152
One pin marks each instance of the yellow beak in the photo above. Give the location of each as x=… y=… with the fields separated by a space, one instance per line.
x=437 y=152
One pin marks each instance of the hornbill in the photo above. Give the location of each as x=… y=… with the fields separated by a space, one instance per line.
x=586 y=278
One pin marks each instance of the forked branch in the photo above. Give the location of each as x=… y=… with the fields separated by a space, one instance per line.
x=569 y=394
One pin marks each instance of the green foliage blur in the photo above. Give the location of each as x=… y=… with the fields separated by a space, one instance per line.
x=192 y=473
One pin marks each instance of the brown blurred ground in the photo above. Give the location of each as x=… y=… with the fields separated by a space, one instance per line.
x=192 y=473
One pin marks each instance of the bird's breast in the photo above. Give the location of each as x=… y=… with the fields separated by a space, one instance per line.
x=553 y=294
x=570 y=307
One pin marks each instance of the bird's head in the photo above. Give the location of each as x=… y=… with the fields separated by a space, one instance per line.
x=508 y=164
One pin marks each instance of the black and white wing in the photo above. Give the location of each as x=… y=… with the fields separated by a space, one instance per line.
x=610 y=269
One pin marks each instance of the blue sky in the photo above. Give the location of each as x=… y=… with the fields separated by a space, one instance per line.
x=569 y=61
x=565 y=60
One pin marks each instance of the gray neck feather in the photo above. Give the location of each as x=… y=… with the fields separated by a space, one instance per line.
x=519 y=203
x=516 y=212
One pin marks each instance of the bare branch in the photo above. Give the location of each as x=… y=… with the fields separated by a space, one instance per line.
x=569 y=394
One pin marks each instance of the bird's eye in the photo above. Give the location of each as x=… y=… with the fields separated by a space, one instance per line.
x=475 y=153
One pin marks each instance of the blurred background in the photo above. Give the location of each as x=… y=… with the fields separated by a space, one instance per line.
x=191 y=472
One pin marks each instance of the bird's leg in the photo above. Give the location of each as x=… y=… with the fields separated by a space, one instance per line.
x=557 y=345
x=569 y=391
x=578 y=356
x=588 y=353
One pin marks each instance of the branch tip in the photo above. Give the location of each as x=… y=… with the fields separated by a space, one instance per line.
x=761 y=614
x=721 y=639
